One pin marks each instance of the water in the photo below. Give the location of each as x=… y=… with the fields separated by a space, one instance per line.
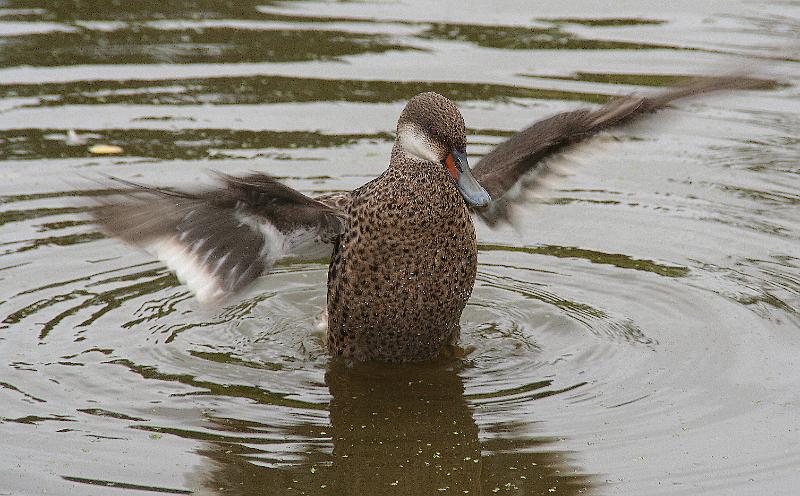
x=636 y=334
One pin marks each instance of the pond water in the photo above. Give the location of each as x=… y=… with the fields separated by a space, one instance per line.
x=638 y=332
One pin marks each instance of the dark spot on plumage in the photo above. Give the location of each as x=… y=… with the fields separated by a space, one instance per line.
x=399 y=277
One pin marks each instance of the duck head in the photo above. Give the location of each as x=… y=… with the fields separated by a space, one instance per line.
x=431 y=129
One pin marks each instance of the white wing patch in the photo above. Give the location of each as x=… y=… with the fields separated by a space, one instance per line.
x=299 y=243
x=191 y=267
x=202 y=266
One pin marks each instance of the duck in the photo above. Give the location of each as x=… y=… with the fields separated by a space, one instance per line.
x=402 y=248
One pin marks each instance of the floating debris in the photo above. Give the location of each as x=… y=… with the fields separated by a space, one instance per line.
x=105 y=149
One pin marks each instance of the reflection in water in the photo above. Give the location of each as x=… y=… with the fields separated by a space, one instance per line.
x=71 y=10
x=270 y=89
x=605 y=21
x=393 y=430
x=146 y=45
x=526 y=38
x=98 y=303
x=188 y=144
x=652 y=80
x=616 y=259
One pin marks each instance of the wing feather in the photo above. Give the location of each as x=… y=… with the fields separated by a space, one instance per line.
x=527 y=153
x=218 y=241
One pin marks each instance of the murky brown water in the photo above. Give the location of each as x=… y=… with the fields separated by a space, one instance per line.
x=639 y=334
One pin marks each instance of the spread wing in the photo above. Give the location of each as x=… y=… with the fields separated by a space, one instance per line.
x=218 y=241
x=521 y=164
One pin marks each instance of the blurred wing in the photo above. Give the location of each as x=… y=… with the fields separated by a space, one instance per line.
x=521 y=162
x=218 y=241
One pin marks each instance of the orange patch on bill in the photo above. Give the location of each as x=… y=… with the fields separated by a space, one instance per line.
x=451 y=166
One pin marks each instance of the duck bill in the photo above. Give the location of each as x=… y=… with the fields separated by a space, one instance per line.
x=468 y=186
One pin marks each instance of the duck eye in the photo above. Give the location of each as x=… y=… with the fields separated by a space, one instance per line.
x=434 y=131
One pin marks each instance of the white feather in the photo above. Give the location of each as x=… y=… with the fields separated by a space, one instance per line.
x=188 y=267
x=300 y=243
x=194 y=268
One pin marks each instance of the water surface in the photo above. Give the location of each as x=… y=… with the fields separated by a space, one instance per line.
x=637 y=333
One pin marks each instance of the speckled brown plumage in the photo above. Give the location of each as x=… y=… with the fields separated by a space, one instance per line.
x=402 y=274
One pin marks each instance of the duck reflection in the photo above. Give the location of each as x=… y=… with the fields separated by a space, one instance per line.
x=403 y=429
